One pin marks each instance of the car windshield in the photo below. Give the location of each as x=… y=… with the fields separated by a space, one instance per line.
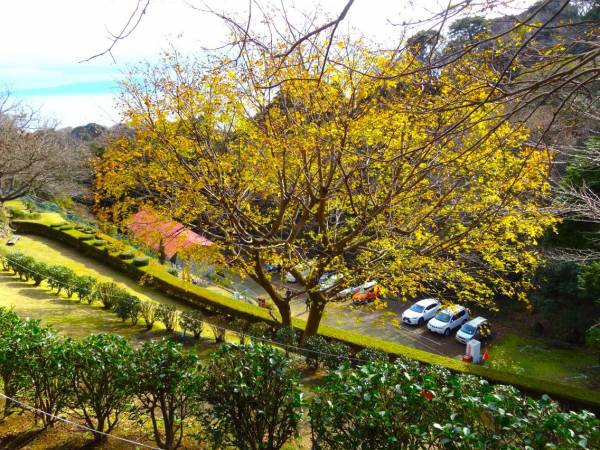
x=417 y=308
x=468 y=329
x=443 y=317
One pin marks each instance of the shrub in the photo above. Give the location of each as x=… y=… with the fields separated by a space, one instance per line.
x=48 y=369
x=128 y=307
x=217 y=324
x=39 y=272
x=148 y=311
x=108 y=293
x=141 y=261
x=314 y=346
x=126 y=255
x=287 y=337
x=17 y=338
x=173 y=271
x=59 y=277
x=335 y=354
x=99 y=243
x=368 y=355
x=404 y=405
x=83 y=286
x=167 y=389
x=102 y=380
x=167 y=314
x=255 y=398
x=260 y=330
x=241 y=326
x=192 y=321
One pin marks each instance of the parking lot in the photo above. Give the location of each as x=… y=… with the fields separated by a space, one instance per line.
x=385 y=324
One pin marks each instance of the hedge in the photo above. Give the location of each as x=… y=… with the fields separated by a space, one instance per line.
x=571 y=396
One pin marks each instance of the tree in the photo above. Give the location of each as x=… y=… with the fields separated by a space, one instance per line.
x=167 y=387
x=432 y=190
x=101 y=380
x=48 y=369
x=254 y=396
x=17 y=337
x=35 y=158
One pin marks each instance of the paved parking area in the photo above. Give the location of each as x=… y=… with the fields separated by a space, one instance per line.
x=385 y=324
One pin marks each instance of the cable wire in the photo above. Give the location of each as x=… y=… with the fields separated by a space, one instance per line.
x=75 y=424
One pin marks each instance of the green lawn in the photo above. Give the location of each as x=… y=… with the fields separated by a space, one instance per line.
x=535 y=358
x=68 y=316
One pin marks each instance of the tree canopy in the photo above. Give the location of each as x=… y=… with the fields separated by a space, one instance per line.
x=421 y=184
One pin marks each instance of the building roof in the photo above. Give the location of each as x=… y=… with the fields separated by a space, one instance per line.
x=151 y=229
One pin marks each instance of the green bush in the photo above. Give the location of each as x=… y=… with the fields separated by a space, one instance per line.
x=102 y=380
x=59 y=277
x=314 y=347
x=260 y=330
x=192 y=321
x=254 y=396
x=218 y=325
x=335 y=354
x=242 y=328
x=369 y=355
x=99 y=243
x=39 y=272
x=287 y=337
x=167 y=388
x=141 y=261
x=126 y=255
x=168 y=315
x=127 y=307
x=407 y=405
x=84 y=285
x=173 y=271
x=148 y=311
x=108 y=293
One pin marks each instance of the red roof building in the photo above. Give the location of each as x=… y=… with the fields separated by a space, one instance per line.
x=172 y=236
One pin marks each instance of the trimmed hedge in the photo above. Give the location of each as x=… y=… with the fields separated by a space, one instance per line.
x=201 y=297
x=141 y=261
x=126 y=255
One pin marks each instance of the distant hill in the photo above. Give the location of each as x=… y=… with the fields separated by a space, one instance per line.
x=89 y=132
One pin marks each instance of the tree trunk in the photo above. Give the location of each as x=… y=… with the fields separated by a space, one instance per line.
x=315 y=314
x=286 y=313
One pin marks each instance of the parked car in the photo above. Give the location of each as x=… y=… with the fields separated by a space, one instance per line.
x=477 y=328
x=366 y=296
x=448 y=320
x=289 y=278
x=354 y=289
x=329 y=280
x=421 y=312
x=272 y=267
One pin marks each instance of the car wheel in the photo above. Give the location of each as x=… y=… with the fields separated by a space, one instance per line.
x=420 y=322
x=447 y=332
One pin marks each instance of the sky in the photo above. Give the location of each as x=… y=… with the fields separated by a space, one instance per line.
x=45 y=42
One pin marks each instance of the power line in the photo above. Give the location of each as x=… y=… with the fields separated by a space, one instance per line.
x=75 y=424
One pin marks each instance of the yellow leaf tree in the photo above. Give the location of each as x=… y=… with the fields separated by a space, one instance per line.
x=417 y=182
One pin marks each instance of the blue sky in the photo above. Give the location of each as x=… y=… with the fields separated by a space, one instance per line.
x=45 y=40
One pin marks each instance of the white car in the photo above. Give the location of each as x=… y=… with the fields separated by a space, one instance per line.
x=448 y=320
x=421 y=312
x=289 y=278
x=329 y=280
x=353 y=290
